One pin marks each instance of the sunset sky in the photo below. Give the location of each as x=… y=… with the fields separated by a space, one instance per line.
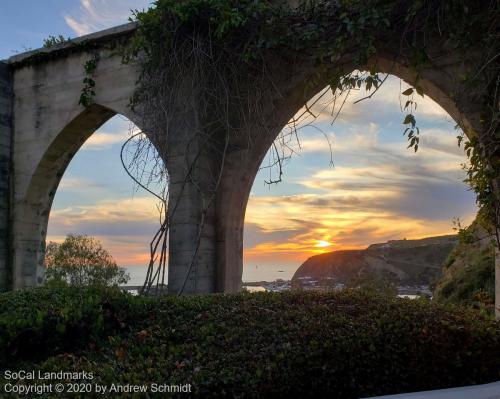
x=377 y=190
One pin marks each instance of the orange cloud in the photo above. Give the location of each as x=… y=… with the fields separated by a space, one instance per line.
x=324 y=223
x=125 y=227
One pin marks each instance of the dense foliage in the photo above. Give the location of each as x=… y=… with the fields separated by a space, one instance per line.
x=469 y=272
x=81 y=261
x=52 y=41
x=348 y=344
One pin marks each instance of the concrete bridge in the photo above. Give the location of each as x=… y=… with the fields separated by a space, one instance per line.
x=42 y=126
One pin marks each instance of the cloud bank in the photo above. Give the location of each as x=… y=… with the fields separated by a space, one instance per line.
x=95 y=15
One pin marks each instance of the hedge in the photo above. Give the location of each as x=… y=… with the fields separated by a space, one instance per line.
x=347 y=344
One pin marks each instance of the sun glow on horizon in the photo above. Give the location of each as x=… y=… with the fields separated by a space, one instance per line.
x=323 y=244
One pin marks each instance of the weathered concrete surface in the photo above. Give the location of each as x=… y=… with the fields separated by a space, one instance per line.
x=5 y=149
x=49 y=126
x=485 y=391
x=97 y=37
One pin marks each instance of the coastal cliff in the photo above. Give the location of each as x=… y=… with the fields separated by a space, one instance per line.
x=409 y=262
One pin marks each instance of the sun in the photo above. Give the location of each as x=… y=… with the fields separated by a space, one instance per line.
x=323 y=244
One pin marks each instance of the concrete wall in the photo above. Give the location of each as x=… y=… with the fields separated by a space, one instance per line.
x=5 y=149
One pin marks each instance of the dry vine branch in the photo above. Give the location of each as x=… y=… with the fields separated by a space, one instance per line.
x=144 y=175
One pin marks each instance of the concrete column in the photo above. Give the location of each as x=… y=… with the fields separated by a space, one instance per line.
x=192 y=171
x=240 y=168
x=496 y=188
x=5 y=151
x=497 y=283
x=232 y=199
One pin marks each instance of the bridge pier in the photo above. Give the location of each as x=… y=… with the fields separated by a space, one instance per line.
x=5 y=161
x=192 y=226
x=497 y=283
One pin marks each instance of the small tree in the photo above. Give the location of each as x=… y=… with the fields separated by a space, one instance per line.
x=81 y=261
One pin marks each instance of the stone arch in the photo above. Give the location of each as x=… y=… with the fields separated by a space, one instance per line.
x=242 y=166
x=31 y=214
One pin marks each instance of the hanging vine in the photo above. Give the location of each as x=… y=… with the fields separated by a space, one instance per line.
x=88 y=90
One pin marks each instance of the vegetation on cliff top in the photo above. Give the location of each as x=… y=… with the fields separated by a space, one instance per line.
x=403 y=262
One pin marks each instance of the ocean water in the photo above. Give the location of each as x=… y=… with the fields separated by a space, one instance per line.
x=251 y=273
x=137 y=274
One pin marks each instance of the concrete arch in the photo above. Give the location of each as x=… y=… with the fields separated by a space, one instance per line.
x=31 y=214
x=438 y=83
x=48 y=127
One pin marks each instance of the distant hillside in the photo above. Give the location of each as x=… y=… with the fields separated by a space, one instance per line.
x=470 y=268
x=411 y=262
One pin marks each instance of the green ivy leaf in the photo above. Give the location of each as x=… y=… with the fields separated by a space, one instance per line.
x=409 y=119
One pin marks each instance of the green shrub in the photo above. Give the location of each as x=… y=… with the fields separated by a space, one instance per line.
x=348 y=344
x=374 y=282
x=40 y=322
